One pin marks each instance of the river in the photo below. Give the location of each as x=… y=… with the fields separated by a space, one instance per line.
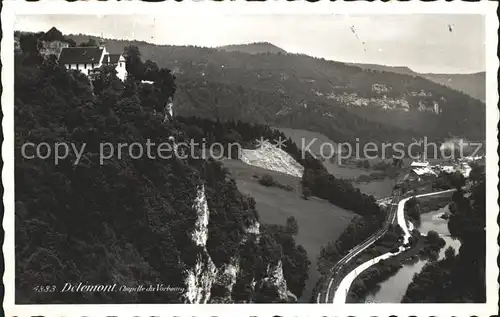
x=393 y=289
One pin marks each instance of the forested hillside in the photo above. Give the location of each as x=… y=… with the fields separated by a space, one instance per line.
x=170 y=221
x=336 y=99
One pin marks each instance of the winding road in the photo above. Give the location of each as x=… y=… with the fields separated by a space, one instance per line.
x=325 y=296
x=339 y=284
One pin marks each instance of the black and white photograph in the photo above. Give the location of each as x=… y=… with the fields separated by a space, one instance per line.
x=342 y=158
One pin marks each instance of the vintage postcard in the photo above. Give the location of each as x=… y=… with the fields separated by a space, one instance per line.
x=208 y=158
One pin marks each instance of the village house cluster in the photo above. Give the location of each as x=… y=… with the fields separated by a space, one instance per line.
x=423 y=169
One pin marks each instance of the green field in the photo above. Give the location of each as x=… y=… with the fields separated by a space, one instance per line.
x=344 y=171
x=378 y=188
x=319 y=221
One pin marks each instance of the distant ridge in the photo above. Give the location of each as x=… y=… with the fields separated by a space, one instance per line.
x=384 y=68
x=254 y=48
x=473 y=84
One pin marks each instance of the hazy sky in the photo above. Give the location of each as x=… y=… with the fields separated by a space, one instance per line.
x=421 y=42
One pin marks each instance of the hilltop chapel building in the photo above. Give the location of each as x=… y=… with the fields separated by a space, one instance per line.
x=86 y=59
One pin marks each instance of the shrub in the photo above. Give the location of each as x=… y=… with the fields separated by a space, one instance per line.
x=267 y=180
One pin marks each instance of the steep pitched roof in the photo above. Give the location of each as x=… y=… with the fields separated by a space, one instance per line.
x=80 y=55
x=111 y=58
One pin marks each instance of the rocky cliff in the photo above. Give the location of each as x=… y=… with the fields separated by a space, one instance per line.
x=205 y=275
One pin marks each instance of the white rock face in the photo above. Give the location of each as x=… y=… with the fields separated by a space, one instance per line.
x=381 y=88
x=228 y=273
x=275 y=280
x=199 y=279
x=169 y=109
x=276 y=276
x=199 y=282
x=272 y=158
x=382 y=102
x=422 y=106
x=200 y=233
x=252 y=229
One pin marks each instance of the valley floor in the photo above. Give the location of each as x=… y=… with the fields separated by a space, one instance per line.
x=378 y=188
x=319 y=221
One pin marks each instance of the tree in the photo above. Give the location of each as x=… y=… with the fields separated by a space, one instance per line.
x=266 y=180
x=70 y=42
x=433 y=237
x=366 y=164
x=292 y=227
x=456 y=180
x=130 y=88
x=150 y=70
x=90 y=43
x=52 y=35
x=130 y=108
x=194 y=132
x=412 y=241
x=397 y=162
x=476 y=173
x=328 y=255
x=29 y=43
x=306 y=193
x=29 y=46
x=412 y=209
x=452 y=207
x=133 y=60
x=105 y=78
x=398 y=230
x=441 y=182
x=411 y=203
x=449 y=253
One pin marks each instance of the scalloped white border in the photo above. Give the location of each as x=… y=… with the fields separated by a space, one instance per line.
x=201 y=7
